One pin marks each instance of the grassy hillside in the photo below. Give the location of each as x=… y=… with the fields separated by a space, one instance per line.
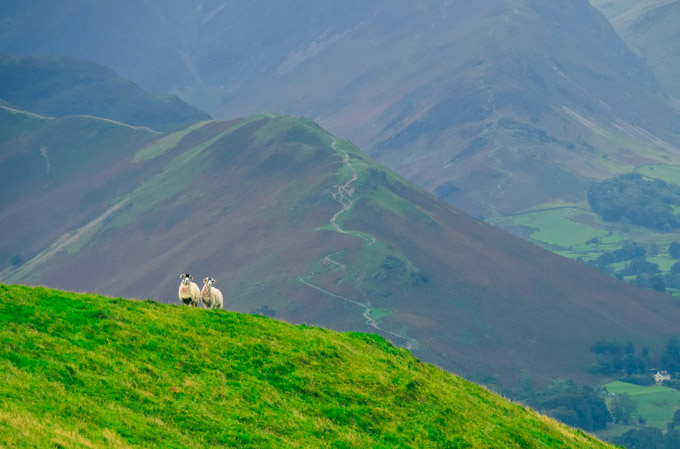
x=89 y=371
x=59 y=86
x=298 y=224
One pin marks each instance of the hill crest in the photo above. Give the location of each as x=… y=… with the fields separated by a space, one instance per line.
x=60 y=86
x=105 y=372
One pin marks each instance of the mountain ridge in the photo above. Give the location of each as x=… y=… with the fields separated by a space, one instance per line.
x=503 y=89
x=648 y=28
x=500 y=108
x=61 y=86
x=269 y=206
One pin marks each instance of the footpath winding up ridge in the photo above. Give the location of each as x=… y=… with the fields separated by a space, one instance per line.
x=343 y=195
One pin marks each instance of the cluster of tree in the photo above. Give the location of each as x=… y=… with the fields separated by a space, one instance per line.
x=647 y=274
x=629 y=365
x=613 y=357
x=651 y=438
x=646 y=437
x=637 y=200
x=581 y=407
x=660 y=281
x=585 y=408
x=629 y=250
x=653 y=280
x=616 y=359
x=621 y=408
x=674 y=250
x=640 y=265
x=670 y=359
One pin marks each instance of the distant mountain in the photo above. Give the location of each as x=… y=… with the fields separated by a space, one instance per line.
x=150 y=375
x=650 y=27
x=59 y=86
x=496 y=106
x=298 y=224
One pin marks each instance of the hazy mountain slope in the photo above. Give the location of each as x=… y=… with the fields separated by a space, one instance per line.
x=296 y=223
x=496 y=106
x=90 y=371
x=650 y=28
x=554 y=101
x=55 y=173
x=59 y=86
x=201 y=49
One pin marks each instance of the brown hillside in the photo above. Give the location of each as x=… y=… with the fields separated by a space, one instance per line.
x=299 y=225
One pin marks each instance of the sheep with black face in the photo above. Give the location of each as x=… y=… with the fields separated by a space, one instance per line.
x=189 y=293
x=211 y=296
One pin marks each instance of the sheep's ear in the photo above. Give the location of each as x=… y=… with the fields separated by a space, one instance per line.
x=191 y=277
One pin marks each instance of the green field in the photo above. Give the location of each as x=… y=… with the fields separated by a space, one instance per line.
x=86 y=371
x=668 y=173
x=656 y=403
x=573 y=230
x=566 y=230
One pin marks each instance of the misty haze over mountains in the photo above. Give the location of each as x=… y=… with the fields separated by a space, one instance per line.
x=496 y=106
x=326 y=160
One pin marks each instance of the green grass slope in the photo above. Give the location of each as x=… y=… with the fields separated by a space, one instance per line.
x=89 y=371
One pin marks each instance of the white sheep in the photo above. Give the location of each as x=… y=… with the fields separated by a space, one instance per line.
x=211 y=296
x=189 y=293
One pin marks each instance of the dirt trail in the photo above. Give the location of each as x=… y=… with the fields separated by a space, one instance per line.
x=343 y=195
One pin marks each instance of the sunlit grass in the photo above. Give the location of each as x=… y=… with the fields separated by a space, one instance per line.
x=655 y=403
x=90 y=371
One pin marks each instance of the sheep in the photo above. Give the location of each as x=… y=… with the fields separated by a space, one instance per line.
x=189 y=293
x=211 y=296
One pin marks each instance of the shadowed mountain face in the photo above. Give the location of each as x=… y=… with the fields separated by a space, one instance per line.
x=494 y=105
x=59 y=86
x=300 y=225
x=650 y=28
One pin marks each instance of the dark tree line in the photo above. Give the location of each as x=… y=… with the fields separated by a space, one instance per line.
x=674 y=250
x=581 y=407
x=622 y=360
x=585 y=408
x=629 y=250
x=647 y=274
x=640 y=201
x=622 y=408
x=649 y=438
x=616 y=359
